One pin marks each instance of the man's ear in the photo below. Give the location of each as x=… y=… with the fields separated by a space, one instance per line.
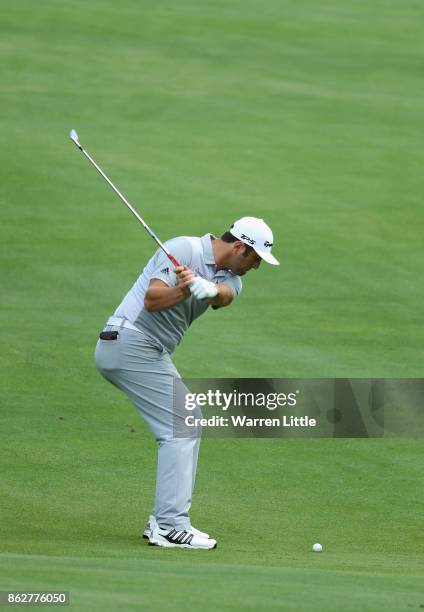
x=238 y=246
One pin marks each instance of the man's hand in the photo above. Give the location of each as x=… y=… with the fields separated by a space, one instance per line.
x=202 y=289
x=185 y=278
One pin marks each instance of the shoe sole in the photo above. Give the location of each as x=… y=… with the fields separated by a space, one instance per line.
x=166 y=544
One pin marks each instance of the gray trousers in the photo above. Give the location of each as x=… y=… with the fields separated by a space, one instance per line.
x=143 y=369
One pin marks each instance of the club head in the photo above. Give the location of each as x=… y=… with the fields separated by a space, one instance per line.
x=74 y=136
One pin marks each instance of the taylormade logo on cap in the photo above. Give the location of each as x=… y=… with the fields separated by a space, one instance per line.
x=257 y=234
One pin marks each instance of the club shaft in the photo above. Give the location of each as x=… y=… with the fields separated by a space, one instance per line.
x=132 y=209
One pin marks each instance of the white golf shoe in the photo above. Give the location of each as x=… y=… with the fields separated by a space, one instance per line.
x=179 y=539
x=148 y=528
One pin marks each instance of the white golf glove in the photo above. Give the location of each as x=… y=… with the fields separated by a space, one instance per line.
x=202 y=288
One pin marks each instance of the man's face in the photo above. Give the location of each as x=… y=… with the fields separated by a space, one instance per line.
x=242 y=262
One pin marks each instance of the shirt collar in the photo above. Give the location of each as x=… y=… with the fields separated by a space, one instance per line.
x=207 y=249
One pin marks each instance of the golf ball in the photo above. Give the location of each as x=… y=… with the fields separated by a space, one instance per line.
x=317 y=547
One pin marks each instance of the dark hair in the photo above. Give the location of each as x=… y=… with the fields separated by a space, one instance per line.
x=228 y=237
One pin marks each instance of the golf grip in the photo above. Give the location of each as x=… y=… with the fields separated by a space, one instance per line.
x=172 y=258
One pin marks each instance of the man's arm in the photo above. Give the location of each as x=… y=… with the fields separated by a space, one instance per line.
x=217 y=294
x=159 y=296
x=224 y=296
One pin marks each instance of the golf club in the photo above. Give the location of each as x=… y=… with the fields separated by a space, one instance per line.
x=74 y=136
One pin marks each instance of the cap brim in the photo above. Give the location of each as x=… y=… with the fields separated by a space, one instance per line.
x=268 y=258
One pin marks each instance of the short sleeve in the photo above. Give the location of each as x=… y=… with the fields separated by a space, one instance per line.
x=163 y=268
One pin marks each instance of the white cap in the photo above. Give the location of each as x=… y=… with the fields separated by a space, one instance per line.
x=257 y=234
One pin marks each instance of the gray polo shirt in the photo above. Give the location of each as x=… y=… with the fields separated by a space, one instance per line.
x=169 y=326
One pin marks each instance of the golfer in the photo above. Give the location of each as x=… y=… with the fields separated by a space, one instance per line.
x=134 y=353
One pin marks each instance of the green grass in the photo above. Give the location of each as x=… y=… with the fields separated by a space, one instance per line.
x=308 y=115
x=111 y=584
